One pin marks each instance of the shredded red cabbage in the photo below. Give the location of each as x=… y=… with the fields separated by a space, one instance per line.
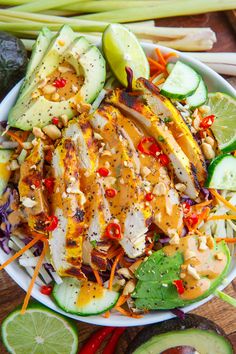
x=178 y=313
x=130 y=76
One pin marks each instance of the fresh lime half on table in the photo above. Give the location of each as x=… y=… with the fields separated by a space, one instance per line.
x=39 y=331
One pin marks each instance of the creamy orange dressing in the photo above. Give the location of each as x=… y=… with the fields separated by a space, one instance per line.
x=205 y=263
x=5 y=171
x=89 y=292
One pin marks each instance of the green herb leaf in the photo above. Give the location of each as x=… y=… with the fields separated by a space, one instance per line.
x=160 y=138
x=167 y=120
x=94 y=243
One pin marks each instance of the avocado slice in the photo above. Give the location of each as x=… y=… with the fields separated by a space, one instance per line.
x=195 y=333
x=86 y=60
x=155 y=288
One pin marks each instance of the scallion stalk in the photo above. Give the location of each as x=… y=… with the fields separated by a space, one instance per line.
x=42 y=5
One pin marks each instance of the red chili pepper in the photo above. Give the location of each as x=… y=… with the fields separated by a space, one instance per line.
x=113 y=231
x=111 y=345
x=49 y=184
x=192 y=220
x=46 y=289
x=149 y=197
x=55 y=120
x=164 y=159
x=103 y=171
x=53 y=222
x=179 y=286
x=207 y=121
x=145 y=144
x=110 y=193
x=36 y=182
x=154 y=148
x=59 y=83
x=186 y=207
x=95 y=340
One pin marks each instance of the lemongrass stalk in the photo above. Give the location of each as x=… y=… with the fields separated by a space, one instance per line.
x=13 y=2
x=163 y=9
x=223 y=63
x=42 y=5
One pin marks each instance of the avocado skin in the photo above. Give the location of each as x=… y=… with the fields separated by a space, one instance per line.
x=175 y=324
x=13 y=61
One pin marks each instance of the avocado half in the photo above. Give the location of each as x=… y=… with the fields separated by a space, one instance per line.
x=175 y=336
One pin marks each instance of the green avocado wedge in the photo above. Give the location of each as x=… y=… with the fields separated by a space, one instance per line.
x=155 y=289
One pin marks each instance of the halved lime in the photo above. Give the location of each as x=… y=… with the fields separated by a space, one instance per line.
x=38 y=331
x=122 y=49
x=223 y=107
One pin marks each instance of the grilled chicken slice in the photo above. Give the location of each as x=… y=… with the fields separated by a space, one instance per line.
x=133 y=106
x=164 y=109
x=30 y=187
x=67 y=205
x=166 y=208
x=126 y=207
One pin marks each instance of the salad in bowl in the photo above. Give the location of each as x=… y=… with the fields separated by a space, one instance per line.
x=117 y=179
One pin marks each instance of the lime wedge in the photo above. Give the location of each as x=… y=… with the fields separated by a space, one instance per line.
x=223 y=107
x=38 y=331
x=122 y=49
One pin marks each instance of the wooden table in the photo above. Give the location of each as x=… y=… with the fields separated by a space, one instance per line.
x=223 y=314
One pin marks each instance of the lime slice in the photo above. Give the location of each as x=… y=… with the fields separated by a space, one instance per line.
x=224 y=127
x=122 y=49
x=38 y=331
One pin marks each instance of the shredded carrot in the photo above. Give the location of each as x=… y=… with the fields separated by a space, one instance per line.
x=171 y=54
x=114 y=253
x=202 y=216
x=113 y=269
x=203 y=204
x=122 y=299
x=97 y=276
x=155 y=64
x=222 y=217
x=15 y=137
x=160 y=81
x=222 y=199
x=227 y=239
x=199 y=233
x=36 y=272
x=161 y=59
x=149 y=248
x=106 y=314
x=128 y=313
x=155 y=75
x=20 y=252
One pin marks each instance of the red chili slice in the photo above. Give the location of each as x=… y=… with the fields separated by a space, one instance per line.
x=192 y=220
x=55 y=120
x=110 y=193
x=186 y=207
x=46 y=289
x=53 y=222
x=207 y=121
x=103 y=171
x=145 y=144
x=113 y=231
x=49 y=184
x=149 y=197
x=179 y=286
x=154 y=148
x=164 y=159
x=36 y=182
x=59 y=83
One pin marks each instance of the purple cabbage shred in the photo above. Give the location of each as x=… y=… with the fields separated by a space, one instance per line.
x=178 y=313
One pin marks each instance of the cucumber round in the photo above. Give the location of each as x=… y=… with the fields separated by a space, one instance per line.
x=181 y=83
x=222 y=173
x=169 y=67
x=199 y=97
x=98 y=299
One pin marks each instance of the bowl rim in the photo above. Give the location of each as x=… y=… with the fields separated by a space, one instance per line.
x=20 y=276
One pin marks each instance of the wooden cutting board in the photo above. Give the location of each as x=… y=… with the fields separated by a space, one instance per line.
x=11 y=295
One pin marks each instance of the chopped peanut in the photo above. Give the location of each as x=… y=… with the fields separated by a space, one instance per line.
x=129 y=287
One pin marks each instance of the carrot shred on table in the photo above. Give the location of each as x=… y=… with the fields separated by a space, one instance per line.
x=97 y=276
x=20 y=252
x=122 y=300
x=36 y=272
x=226 y=239
x=113 y=269
x=222 y=199
x=15 y=137
x=169 y=55
x=127 y=313
x=155 y=64
x=161 y=58
x=222 y=217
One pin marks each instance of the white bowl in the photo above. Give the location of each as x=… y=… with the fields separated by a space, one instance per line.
x=215 y=83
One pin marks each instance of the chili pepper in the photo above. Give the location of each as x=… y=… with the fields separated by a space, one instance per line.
x=95 y=340
x=46 y=289
x=113 y=231
x=207 y=121
x=186 y=207
x=164 y=159
x=59 y=83
x=110 y=193
x=179 y=286
x=191 y=220
x=53 y=222
x=49 y=184
x=154 y=148
x=145 y=144
x=36 y=182
x=149 y=197
x=103 y=171
x=55 y=120
x=111 y=345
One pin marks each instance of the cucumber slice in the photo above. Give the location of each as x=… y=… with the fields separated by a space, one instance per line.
x=199 y=97
x=5 y=156
x=83 y=298
x=181 y=83
x=222 y=173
